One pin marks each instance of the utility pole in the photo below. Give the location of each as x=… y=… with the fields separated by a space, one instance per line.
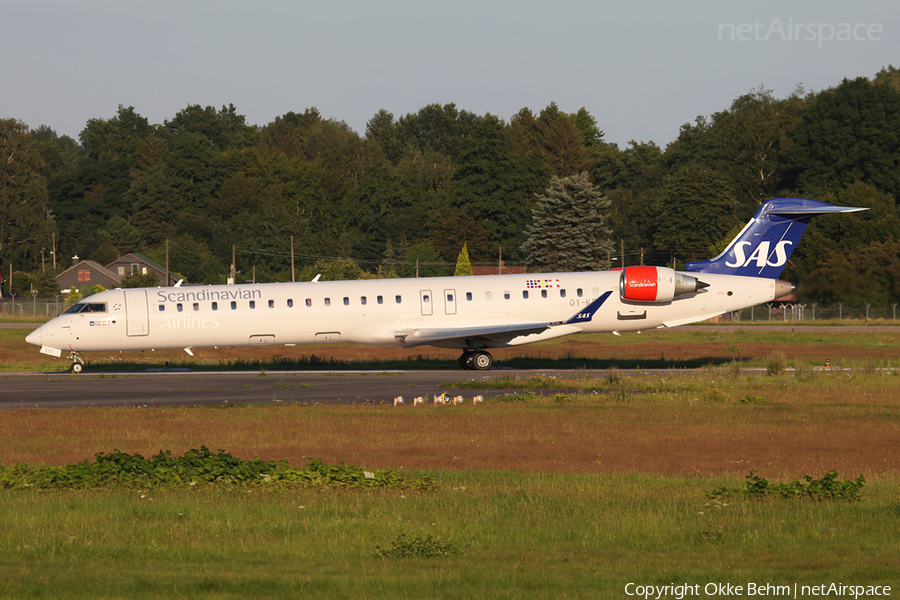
x=622 y=252
x=233 y=271
x=292 y=259
x=53 y=250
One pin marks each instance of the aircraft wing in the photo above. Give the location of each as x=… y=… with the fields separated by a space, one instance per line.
x=494 y=333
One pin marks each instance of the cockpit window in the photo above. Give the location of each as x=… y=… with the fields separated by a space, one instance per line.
x=87 y=307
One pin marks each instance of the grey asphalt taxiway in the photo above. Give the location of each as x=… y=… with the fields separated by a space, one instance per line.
x=204 y=388
x=199 y=388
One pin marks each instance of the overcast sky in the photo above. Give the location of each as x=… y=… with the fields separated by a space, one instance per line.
x=642 y=69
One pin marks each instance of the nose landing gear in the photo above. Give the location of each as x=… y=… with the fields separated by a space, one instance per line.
x=476 y=360
x=78 y=362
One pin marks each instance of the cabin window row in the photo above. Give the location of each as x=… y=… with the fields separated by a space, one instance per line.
x=363 y=300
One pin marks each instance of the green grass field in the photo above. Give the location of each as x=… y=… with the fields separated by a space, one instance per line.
x=520 y=535
x=543 y=496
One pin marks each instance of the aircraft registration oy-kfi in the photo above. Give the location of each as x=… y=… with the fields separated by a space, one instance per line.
x=472 y=314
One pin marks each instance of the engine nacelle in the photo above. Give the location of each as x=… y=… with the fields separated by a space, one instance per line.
x=656 y=284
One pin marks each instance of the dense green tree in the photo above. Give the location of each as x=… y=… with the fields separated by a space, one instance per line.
x=569 y=148
x=847 y=234
x=26 y=224
x=382 y=130
x=696 y=210
x=221 y=129
x=752 y=137
x=97 y=187
x=849 y=133
x=569 y=231
x=136 y=279
x=442 y=174
x=870 y=275
x=441 y=128
x=489 y=187
x=586 y=125
x=463 y=265
x=422 y=260
x=192 y=260
x=634 y=181
x=60 y=154
x=287 y=133
x=333 y=270
x=447 y=227
x=46 y=283
x=426 y=188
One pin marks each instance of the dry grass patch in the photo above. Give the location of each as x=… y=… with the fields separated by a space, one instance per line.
x=847 y=422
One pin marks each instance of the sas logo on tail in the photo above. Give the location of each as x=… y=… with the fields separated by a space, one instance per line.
x=760 y=255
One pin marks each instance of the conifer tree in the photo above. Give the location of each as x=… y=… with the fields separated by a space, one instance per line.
x=568 y=230
x=463 y=265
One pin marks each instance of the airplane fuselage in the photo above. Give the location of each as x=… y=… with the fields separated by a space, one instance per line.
x=383 y=312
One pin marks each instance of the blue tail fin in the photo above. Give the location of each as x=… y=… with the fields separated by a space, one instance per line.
x=763 y=247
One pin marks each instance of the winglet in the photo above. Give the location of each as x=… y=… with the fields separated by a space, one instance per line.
x=588 y=313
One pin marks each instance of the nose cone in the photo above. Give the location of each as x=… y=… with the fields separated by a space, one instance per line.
x=34 y=338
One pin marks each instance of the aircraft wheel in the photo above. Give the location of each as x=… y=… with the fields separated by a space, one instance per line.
x=77 y=367
x=482 y=361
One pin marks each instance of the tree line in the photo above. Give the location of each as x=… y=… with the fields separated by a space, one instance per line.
x=404 y=197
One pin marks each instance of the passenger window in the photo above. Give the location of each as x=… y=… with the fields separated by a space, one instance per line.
x=380 y=299
x=253 y=304
x=469 y=296
x=449 y=297
x=346 y=301
x=425 y=298
x=233 y=305
x=595 y=292
x=162 y=308
x=271 y=304
x=215 y=306
x=506 y=295
x=290 y=303
x=487 y=295
x=579 y=292
x=362 y=300
x=562 y=293
x=309 y=301
x=196 y=306
x=398 y=299
x=327 y=301
x=543 y=293
x=179 y=307
x=525 y=294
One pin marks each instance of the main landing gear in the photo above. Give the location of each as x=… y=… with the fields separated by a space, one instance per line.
x=476 y=360
x=77 y=362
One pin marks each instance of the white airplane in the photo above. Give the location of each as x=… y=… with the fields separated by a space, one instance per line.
x=472 y=314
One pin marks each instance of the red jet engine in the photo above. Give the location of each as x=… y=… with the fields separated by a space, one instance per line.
x=656 y=284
